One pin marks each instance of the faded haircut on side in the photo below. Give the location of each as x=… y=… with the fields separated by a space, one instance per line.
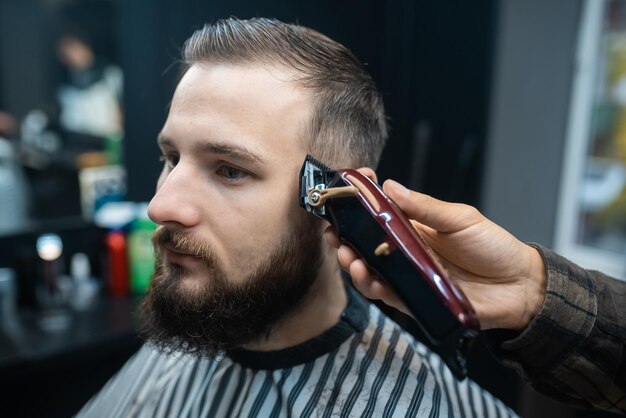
x=348 y=127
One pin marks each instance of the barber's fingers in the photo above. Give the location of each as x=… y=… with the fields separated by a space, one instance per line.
x=368 y=172
x=370 y=285
x=361 y=276
x=437 y=214
x=373 y=287
x=346 y=256
x=367 y=283
x=364 y=281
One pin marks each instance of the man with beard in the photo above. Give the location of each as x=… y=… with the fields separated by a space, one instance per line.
x=248 y=314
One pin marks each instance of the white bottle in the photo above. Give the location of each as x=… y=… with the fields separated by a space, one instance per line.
x=85 y=287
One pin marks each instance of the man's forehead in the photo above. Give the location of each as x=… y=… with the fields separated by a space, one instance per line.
x=244 y=79
x=240 y=101
x=254 y=93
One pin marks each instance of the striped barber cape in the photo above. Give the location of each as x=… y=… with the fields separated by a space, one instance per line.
x=364 y=366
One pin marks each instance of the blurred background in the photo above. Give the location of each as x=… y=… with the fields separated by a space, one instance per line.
x=515 y=106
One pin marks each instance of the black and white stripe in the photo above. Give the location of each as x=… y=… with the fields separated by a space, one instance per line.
x=380 y=371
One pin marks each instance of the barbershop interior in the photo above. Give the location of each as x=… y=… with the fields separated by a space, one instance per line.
x=510 y=106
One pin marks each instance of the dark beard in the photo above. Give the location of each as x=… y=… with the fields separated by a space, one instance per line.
x=219 y=315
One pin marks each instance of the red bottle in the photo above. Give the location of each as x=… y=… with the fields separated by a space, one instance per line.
x=118 y=263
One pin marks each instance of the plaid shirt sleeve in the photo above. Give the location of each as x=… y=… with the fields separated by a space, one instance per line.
x=573 y=351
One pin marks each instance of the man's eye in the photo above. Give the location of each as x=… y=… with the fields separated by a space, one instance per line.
x=231 y=173
x=170 y=160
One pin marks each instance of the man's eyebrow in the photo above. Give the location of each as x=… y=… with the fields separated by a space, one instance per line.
x=233 y=151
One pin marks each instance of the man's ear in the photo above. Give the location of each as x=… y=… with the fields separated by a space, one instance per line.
x=369 y=173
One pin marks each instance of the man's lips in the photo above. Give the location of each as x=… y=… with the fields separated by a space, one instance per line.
x=178 y=256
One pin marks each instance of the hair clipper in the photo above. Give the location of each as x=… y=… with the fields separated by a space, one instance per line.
x=373 y=225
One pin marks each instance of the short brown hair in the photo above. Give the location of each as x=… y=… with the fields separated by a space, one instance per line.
x=348 y=127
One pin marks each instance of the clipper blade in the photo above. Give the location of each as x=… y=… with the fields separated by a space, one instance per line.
x=319 y=165
x=314 y=175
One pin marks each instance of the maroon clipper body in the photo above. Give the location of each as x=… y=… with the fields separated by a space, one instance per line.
x=375 y=227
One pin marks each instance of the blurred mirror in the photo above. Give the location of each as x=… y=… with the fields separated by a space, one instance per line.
x=61 y=116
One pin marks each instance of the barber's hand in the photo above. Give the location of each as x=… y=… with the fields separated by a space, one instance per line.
x=503 y=278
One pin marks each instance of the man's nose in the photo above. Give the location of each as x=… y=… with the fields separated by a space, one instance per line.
x=175 y=201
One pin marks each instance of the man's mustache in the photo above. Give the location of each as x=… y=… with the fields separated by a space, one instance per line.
x=184 y=242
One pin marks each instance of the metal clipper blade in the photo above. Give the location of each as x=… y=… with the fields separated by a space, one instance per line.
x=314 y=175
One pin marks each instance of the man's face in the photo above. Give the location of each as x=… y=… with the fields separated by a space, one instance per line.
x=234 y=250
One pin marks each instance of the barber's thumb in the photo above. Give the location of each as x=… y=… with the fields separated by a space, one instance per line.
x=417 y=206
x=437 y=214
x=398 y=193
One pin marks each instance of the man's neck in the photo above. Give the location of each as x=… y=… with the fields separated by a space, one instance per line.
x=320 y=310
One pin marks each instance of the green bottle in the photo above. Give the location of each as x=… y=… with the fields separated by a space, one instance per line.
x=141 y=252
x=113 y=148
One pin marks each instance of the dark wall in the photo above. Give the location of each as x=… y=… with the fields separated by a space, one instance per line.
x=437 y=67
x=25 y=56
